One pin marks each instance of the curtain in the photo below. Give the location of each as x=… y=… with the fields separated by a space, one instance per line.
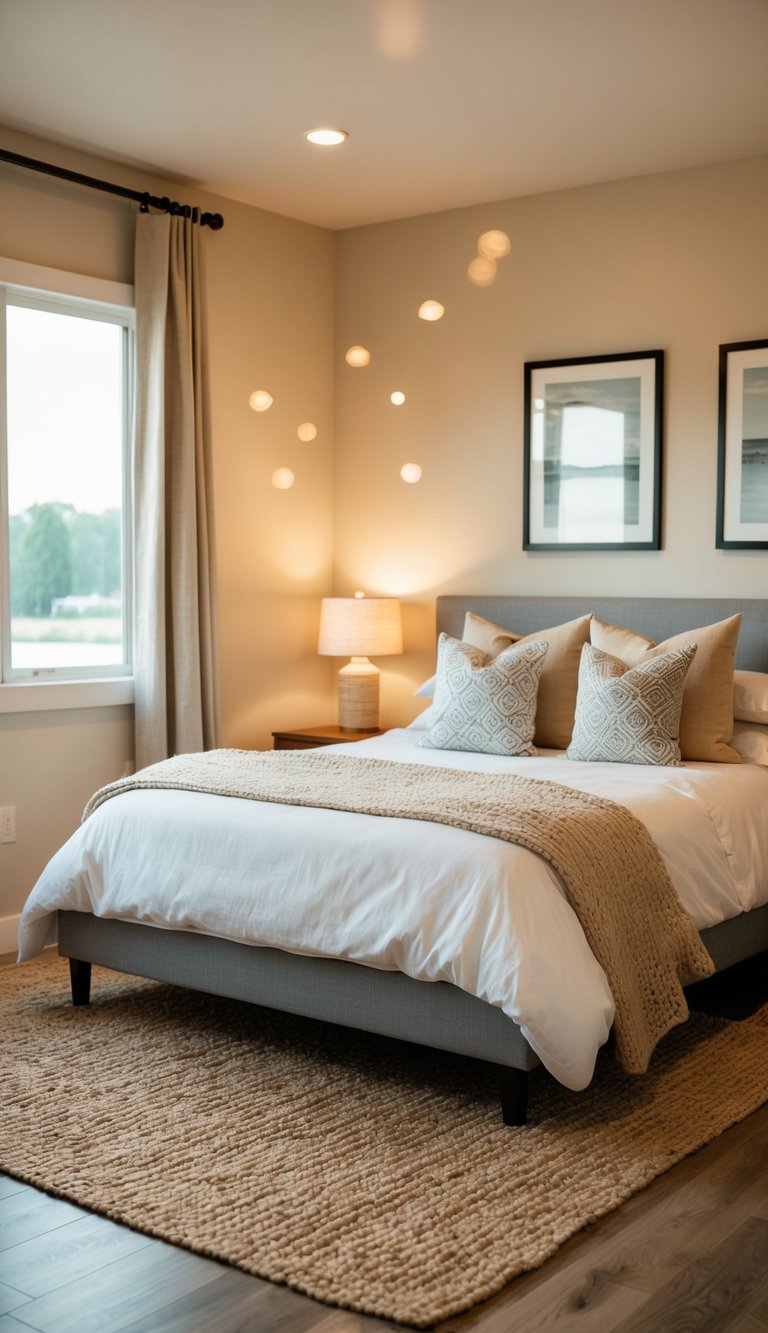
x=176 y=704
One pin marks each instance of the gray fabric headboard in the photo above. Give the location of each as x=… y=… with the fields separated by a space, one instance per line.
x=658 y=618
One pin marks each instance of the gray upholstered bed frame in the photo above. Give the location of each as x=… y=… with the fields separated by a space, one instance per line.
x=431 y=1014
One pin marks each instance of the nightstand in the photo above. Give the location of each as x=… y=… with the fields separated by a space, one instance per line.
x=309 y=738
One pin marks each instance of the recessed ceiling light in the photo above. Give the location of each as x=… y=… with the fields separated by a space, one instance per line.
x=326 y=137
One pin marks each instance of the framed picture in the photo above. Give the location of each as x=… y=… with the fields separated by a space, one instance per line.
x=593 y=449
x=742 y=462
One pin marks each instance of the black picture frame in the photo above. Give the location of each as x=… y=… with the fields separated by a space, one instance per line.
x=599 y=487
x=742 y=446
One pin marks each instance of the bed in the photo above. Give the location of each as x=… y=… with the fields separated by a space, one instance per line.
x=376 y=991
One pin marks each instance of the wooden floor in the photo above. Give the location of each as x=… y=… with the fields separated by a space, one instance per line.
x=689 y=1253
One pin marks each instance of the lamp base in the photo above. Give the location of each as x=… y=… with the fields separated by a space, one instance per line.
x=359 y=696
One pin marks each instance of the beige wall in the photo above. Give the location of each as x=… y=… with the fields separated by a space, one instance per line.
x=677 y=261
x=270 y=303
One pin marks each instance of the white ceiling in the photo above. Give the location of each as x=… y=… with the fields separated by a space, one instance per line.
x=447 y=102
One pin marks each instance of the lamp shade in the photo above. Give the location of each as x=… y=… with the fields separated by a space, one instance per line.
x=360 y=627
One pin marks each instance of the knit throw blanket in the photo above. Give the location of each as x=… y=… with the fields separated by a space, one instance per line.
x=614 y=876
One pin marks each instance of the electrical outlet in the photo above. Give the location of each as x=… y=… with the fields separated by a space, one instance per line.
x=8 y=823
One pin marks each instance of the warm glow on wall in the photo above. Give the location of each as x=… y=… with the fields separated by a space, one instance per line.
x=431 y=310
x=482 y=271
x=398 y=398
x=260 y=400
x=357 y=356
x=410 y=472
x=283 y=479
x=307 y=431
x=494 y=245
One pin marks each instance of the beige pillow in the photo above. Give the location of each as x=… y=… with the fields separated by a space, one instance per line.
x=559 y=683
x=706 y=722
x=493 y=639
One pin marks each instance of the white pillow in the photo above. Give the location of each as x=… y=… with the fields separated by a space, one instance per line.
x=751 y=742
x=427 y=688
x=421 y=721
x=750 y=697
x=482 y=704
x=629 y=715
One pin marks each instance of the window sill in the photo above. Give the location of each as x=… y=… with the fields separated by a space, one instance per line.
x=45 y=696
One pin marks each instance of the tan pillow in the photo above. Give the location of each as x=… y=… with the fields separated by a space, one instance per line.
x=480 y=633
x=706 y=722
x=559 y=683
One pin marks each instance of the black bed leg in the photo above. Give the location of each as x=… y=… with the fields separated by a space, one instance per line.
x=514 y=1095
x=80 y=981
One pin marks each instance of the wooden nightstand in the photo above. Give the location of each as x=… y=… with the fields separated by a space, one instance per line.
x=309 y=738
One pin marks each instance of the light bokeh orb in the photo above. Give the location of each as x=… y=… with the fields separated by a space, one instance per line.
x=410 y=472
x=307 y=431
x=398 y=398
x=494 y=244
x=260 y=400
x=482 y=271
x=283 y=479
x=357 y=356
x=431 y=310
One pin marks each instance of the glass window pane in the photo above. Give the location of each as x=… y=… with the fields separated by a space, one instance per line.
x=65 y=476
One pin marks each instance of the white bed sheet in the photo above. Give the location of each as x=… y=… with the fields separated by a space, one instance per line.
x=434 y=902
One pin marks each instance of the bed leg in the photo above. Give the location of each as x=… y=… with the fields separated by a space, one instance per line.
x=80 y=981
x=514 y=1095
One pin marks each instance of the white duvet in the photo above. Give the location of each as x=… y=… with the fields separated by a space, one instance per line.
x=437 y=903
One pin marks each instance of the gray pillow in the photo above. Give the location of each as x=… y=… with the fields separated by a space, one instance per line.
x=629 y=715
x=482 y=704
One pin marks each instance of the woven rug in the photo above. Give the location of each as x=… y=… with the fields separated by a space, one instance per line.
x=364 y=1172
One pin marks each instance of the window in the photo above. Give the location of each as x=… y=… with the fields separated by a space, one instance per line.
x=65 y=516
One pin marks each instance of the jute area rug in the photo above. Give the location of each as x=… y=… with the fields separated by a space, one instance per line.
x=366 y=1173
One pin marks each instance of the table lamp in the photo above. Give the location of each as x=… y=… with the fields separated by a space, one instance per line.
x=359 y=627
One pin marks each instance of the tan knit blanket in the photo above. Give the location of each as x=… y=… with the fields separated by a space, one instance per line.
x=614 y=876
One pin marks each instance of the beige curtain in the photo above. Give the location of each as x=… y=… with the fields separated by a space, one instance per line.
x=174 y=643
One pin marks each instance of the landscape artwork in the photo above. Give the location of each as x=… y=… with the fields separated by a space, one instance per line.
x=754 y=446
x=592 y=455
x=742 y=471
x=592 y=452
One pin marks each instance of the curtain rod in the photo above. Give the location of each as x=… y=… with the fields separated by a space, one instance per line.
x=213 y=220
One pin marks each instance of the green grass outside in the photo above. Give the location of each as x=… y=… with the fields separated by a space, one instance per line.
x=52 y=629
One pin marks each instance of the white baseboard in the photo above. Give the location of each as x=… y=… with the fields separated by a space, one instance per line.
x=9 y=933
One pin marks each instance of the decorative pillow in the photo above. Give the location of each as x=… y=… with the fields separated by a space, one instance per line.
x=751 y=742
x=706 y=722
x=559 y=679
x=482 y=704
x=629 y=715
x=482 y=633
x=750 y=697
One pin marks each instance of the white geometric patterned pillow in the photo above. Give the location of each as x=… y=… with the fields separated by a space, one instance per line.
x=482 y=704
x=629 y=715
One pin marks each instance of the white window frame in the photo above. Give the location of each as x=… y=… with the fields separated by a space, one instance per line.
x=87 y=687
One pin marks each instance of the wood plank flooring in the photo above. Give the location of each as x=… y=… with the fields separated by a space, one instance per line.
x=688 y=1253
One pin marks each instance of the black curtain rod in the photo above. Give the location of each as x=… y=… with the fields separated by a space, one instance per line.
x=213 y=220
